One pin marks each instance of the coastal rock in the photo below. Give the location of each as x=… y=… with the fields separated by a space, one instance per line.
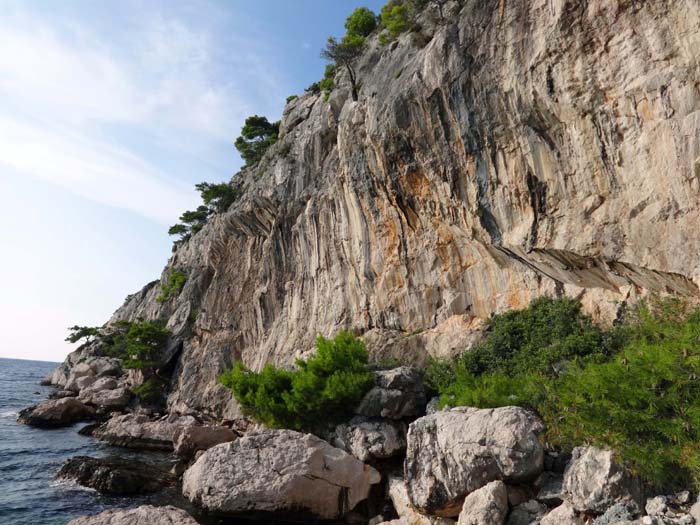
x=485 y=506
x=408 y=515
x=453 y=452
x=397 y=393
x=564 y=514
x=54 y=413
x=143 y=515
x=193 y=439
x=281 y=472
x=594 y=481
x=371 y=439
x=88 y=370
x=105 y=392
x=115 y=476
x=60 y=394
x=528 y=513
x=140 y=431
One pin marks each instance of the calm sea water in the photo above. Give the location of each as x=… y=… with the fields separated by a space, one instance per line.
x=29 y=458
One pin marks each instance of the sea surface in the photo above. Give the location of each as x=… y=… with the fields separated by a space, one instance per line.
x=29 y=458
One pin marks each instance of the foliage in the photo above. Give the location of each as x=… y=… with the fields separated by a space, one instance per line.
x=176 y=280
x=257 y=135
x=217 y=197
x=395 y=17
x=638 y=395
x=89 y=333
x=314 y=88
x=291 y=97
x=361 y=22
x=144 y=343
x=344 y=53
x=152 y=391
x=323 y=388
x=327 y=83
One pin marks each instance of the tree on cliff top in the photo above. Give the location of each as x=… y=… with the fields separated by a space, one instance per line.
x=361 y=22
x=344 y=54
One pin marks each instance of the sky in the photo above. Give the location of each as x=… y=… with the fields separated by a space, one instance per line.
x=110 y=112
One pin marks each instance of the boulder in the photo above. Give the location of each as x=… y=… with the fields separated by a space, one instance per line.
x=593 y=481
x=115 y=475
x=105 y=392
x=408 y=515
x=618 y=514
x=60 y=394
x=54 y=413
x=485 y=506
x=550 y=489
x=143 y=515
x=192 y=439
x=396 y=394
x=140 y=431
x=85 y=372
x=280 y=472
x=528 y=513
x=564 y=514
x=371 y=439
x=454 y=452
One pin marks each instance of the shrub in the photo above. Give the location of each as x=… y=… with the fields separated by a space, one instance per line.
x=217 y=197
x=361 y=22
x=152 y=391
x=79 y=332
x=173 y=286
x=323 y=389
x=638 y=395
x=291 y=97
x=257 y=135
x=395 y=17
x=143 y=346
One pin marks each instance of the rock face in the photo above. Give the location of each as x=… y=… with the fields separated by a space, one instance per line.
x=143 y=515
x=397 y=393
x=454 y=452
x=54 y=413
x=281 y=472
x=593 y=481
x=485 y=506
x=139 y=431
x=114 y=475
x=510 y=151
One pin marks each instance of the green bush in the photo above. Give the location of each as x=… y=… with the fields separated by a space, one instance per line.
x=323 y=389
x=361 y=22
x=152 y=391
x=173 y=286
x=395 y=17
x=638 y=395
x=291 y=97
x=257 y=135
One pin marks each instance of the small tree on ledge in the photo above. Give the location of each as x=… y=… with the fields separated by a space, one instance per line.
x=344 y=54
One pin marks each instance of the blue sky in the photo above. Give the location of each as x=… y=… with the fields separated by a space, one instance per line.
x=110 y=112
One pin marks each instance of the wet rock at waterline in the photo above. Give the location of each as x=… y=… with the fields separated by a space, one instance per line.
x=143 y=515
x=54 y=413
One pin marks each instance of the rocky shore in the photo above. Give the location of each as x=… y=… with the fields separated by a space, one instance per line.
x=399 y=460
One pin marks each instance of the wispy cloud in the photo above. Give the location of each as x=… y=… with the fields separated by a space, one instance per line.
x=64 y=88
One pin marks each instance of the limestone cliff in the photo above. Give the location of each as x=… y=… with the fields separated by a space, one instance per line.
x=518 y=148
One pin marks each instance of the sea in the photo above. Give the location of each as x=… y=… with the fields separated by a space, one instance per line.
x=30 y=494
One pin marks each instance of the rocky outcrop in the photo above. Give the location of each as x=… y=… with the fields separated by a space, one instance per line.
x=368 y=439
x=143 y=515
x=594 y=481
x=485 y=506
x=397 y=393
x=140 y=431
x=193 y=439
x=106 y=393
x=453 y=452
x=115 y=476
x=278 y=472
x=54 y=413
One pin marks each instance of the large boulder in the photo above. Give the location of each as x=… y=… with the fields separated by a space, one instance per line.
x=396 y=394
x=485 y=506
x=564 y=514
x=192 y=439
x=88 y=370
x=278 y=472
x=140 y=431
x=115 y=475
x=452 y=453
x=54 y=413
x=105 y=392
x=368 y=439
x=143 y=515
x=594 y=481
x=408 y=515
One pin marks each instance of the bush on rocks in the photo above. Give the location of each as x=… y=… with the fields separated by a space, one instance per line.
x=325 y=388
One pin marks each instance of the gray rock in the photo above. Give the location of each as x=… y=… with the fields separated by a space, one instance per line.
x=140 y=431
x=485 y=506
x=551 y=489
x=593 y=481
x=193 y=439
x=527 y=513
x=115 y=476
x=371 y=439
x=564 y=514
x=454 y=452
x=398 y=393
x=278 y=472
x=617 y=513
x=54 y=413
x=408 y=515
x=60 y=394
x=143 y=515
x=656 y=506
x=105 y=392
